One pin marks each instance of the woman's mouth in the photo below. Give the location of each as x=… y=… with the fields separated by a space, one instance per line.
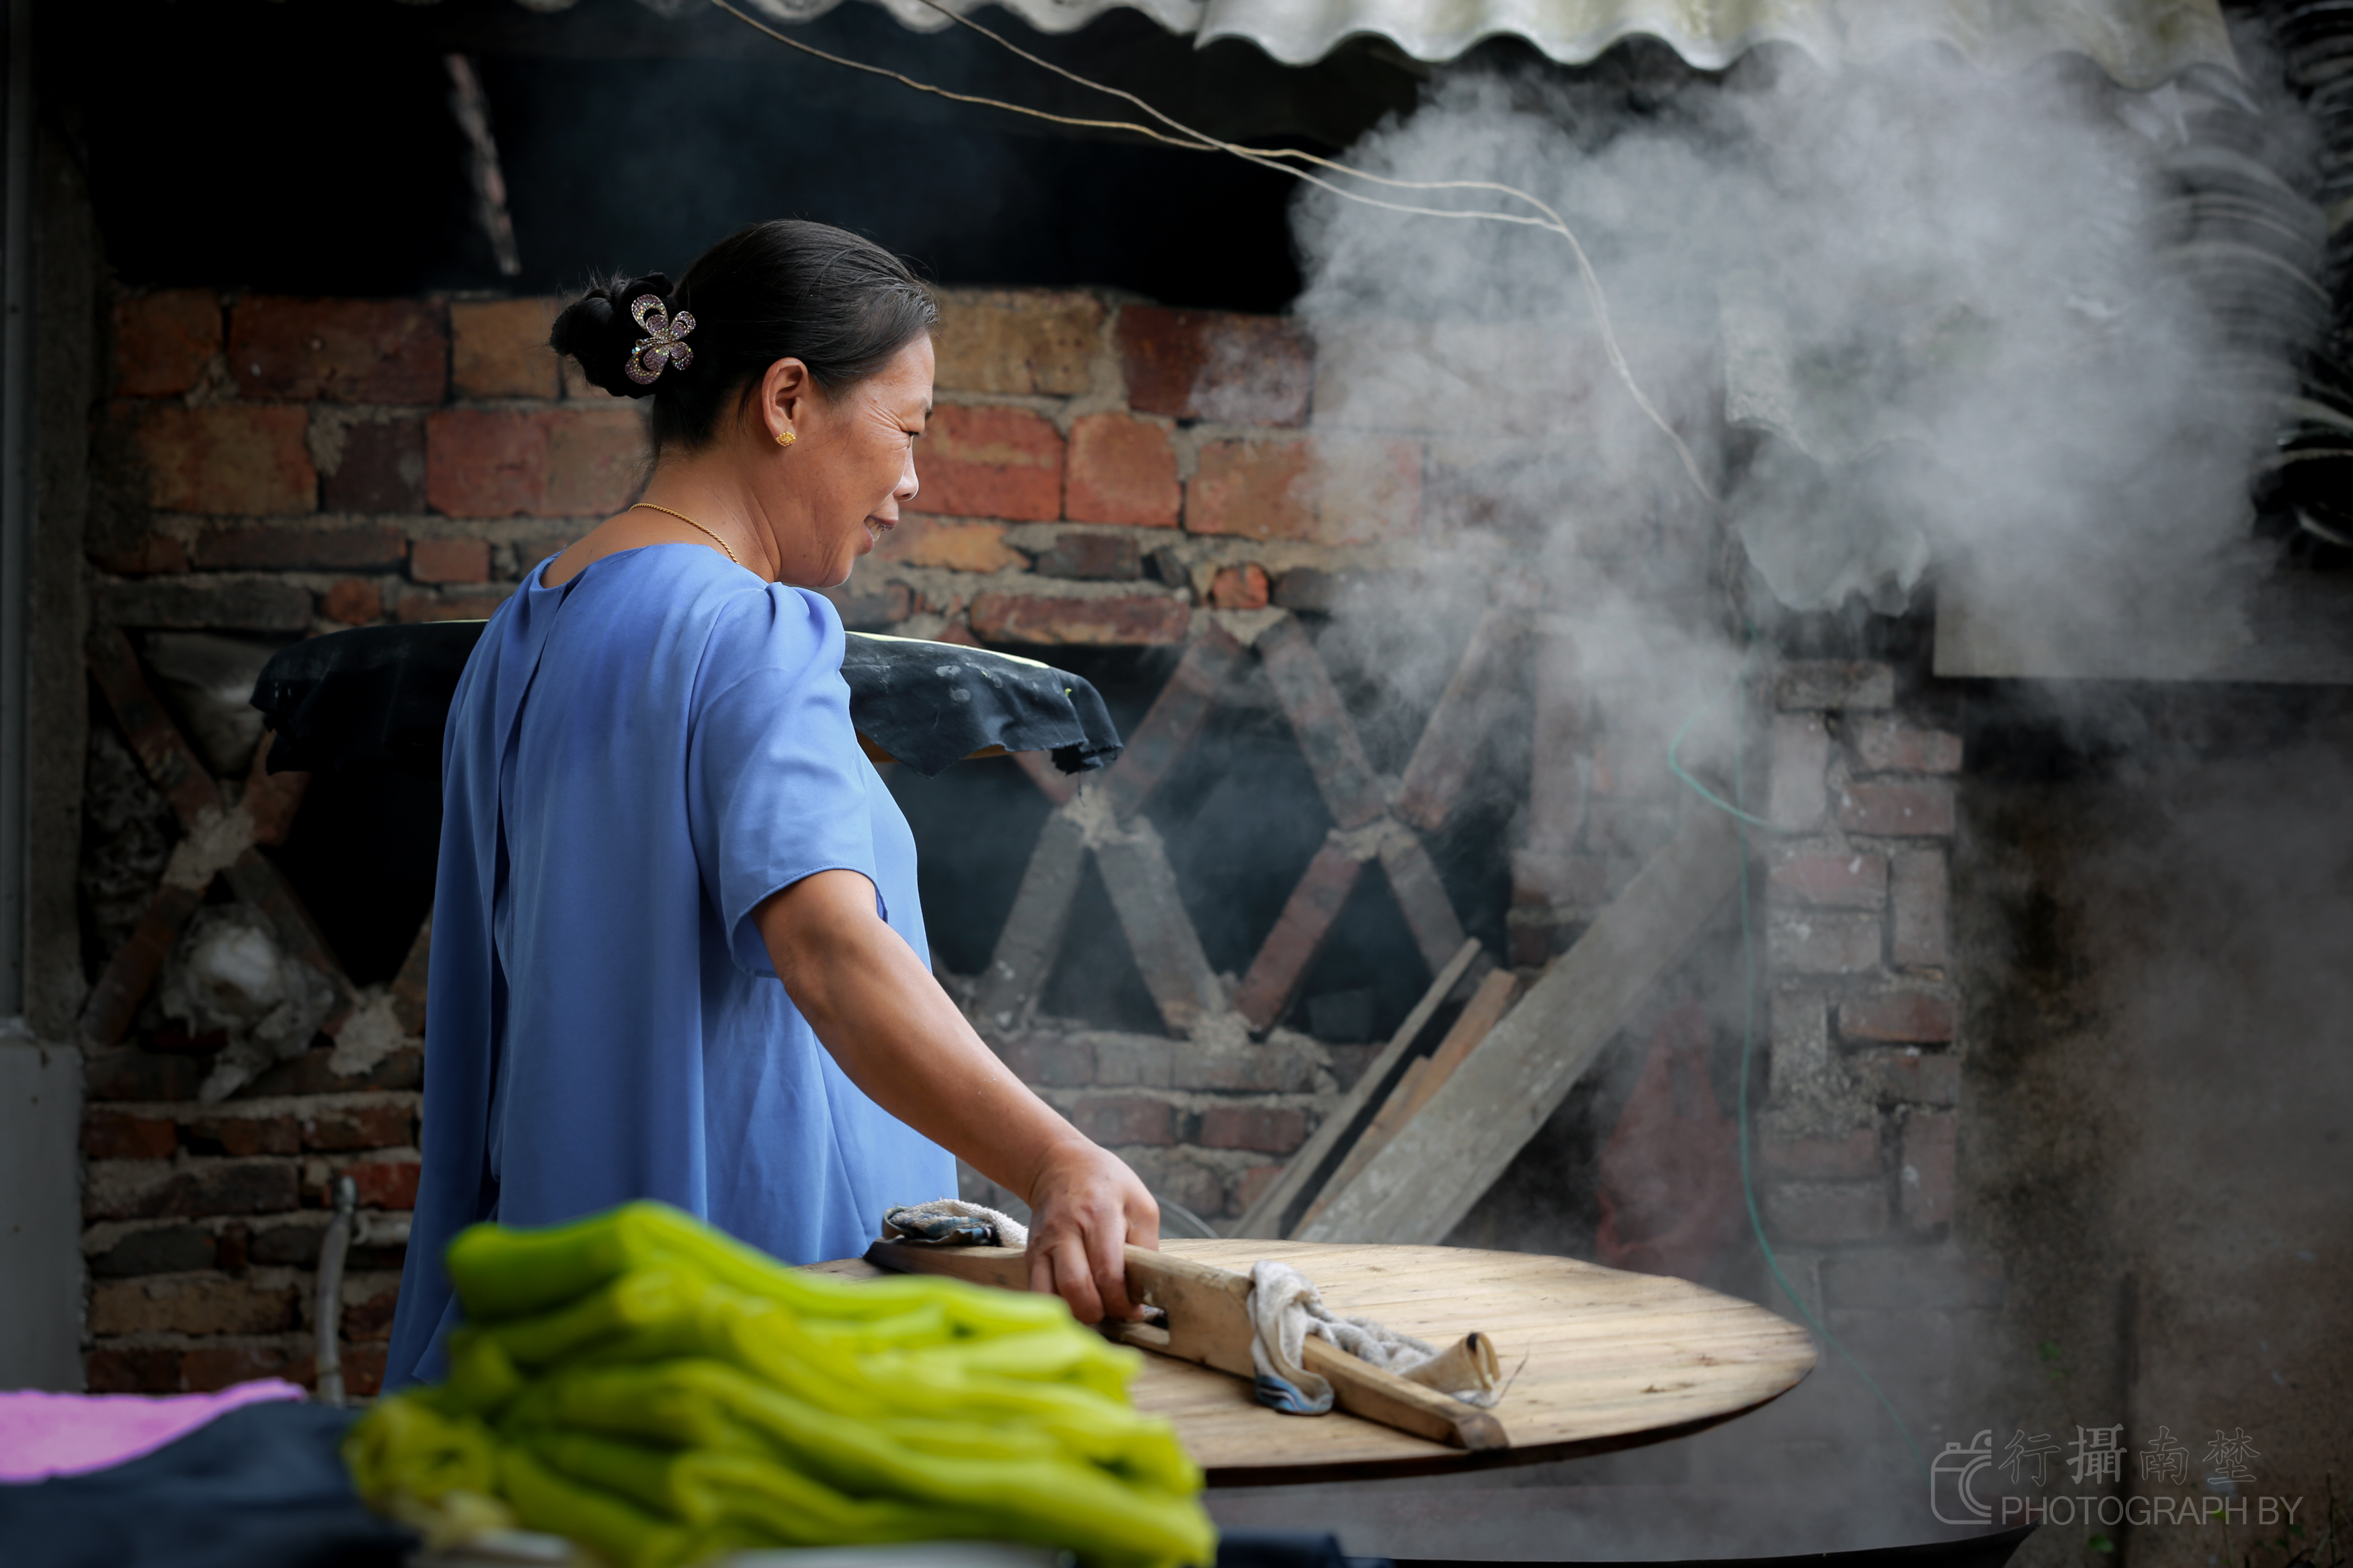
x=876 y=527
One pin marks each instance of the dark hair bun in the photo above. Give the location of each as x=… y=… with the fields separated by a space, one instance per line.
x=597 y=330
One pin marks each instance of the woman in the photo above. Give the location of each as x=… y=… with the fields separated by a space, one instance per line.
x=656 y=811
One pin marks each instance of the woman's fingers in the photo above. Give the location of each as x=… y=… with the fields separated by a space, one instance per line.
x=1070 y=1277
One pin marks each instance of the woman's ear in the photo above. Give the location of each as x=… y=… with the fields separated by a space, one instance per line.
x=786 y=390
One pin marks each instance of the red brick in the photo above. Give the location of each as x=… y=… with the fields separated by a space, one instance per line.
x=1123 y=622
x=1922 y=897
x=1885 y=745
x=209 y=602
x=241 y=1137
x=450 y=560
x=1092 y=557
x=382 y=468
x=351 y=602
x=1820 y=1159
x=116 y=1135
x=363 y=1371
x=1118 y=1120
x=311 y=1074
x=449 y=607
x=191 y=1304
x=1121 y=470
x=1824 y=943
x=1210 y=365
x=498 y=348
x=1268 y=1130
x=1929 y=1141
x=164 y=341
x=486 y=462
x=1831 y=683
x=921 y=541
x=1248 y=1188
x=150 y=554
x=1832 y=881
x=212 y=1367
x=339 y=351
x=114 y=1369
x=1826 y=1213
x=1798 y=794
x=1904 y=1017
x=1912 y=810
x=299 y=548
x=140 y=1075
x=228 y=460
x=359 y=1127
x=1054 y=1061
x=991 y=462
x=595 y=461
x=1332 y=490
x=240 y=1186
x=1242 y=587
x=1925 y=1079
x=1027 y=341
x=867 y=608
x=384 y=1184
x=368 y=1307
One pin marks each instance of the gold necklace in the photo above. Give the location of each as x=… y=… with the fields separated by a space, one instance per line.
x=690 y=523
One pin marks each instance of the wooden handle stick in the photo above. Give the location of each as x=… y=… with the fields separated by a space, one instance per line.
x=1209 y=1324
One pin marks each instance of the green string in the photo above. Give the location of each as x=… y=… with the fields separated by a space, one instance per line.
x=1748 y=1032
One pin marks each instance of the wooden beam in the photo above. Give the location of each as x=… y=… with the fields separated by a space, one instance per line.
x=1418 y=1188
x=1415 y=1089
x=1421 y=895
x=1292 y=1189
x=1032 y=937
x=1142 y=888
x=1298 y=935
x=1439 y=769
x=1327 y=737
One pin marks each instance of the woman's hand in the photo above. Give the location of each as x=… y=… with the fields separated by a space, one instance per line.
x=876 y=1007
x=1086 y=1207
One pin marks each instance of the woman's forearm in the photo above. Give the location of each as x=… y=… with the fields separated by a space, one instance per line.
x=875 y=1008
x=897 y=1035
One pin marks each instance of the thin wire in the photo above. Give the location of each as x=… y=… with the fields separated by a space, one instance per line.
x=1202 y=142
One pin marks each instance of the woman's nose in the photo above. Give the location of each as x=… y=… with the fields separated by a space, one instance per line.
x=908 y=483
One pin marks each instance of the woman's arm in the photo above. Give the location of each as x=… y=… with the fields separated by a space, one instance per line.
x=899 y=1038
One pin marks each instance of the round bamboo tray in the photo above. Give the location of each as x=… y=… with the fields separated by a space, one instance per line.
x=1595 y=1359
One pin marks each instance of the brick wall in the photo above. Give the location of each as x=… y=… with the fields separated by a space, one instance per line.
x=1099 y=473
x=1860 y=1135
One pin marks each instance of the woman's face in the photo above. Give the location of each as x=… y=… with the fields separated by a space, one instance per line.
x=852 y=466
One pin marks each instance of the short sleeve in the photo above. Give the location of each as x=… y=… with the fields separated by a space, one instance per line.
x=775 y=785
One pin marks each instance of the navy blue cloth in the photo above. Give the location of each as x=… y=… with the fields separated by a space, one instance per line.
x=633 y=760
x=262 y=1486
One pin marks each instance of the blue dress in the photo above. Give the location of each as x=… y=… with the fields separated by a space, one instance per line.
x=633 y=761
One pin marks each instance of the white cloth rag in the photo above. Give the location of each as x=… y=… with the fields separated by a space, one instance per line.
x=955 y=1220
x=1286 y=1308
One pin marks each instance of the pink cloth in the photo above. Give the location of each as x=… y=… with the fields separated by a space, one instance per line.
x=44 y=1435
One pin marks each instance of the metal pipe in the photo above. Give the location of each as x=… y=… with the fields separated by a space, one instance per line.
x=329 y=1363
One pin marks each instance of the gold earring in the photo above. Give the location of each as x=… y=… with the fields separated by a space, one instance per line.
x=786 y=440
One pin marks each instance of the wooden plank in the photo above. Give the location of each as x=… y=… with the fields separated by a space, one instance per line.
x=1298 y=935
x=1032 y=937
x=122 y=985
x=1175 y=717
x=170 y=762
x=1421 y=895
x=1439 y=769
x=1595 y=1359
x=1142 y=888
x=1293 y=1187
x=1421 y=1080
x=1327 y=737
x=1420 y=1187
